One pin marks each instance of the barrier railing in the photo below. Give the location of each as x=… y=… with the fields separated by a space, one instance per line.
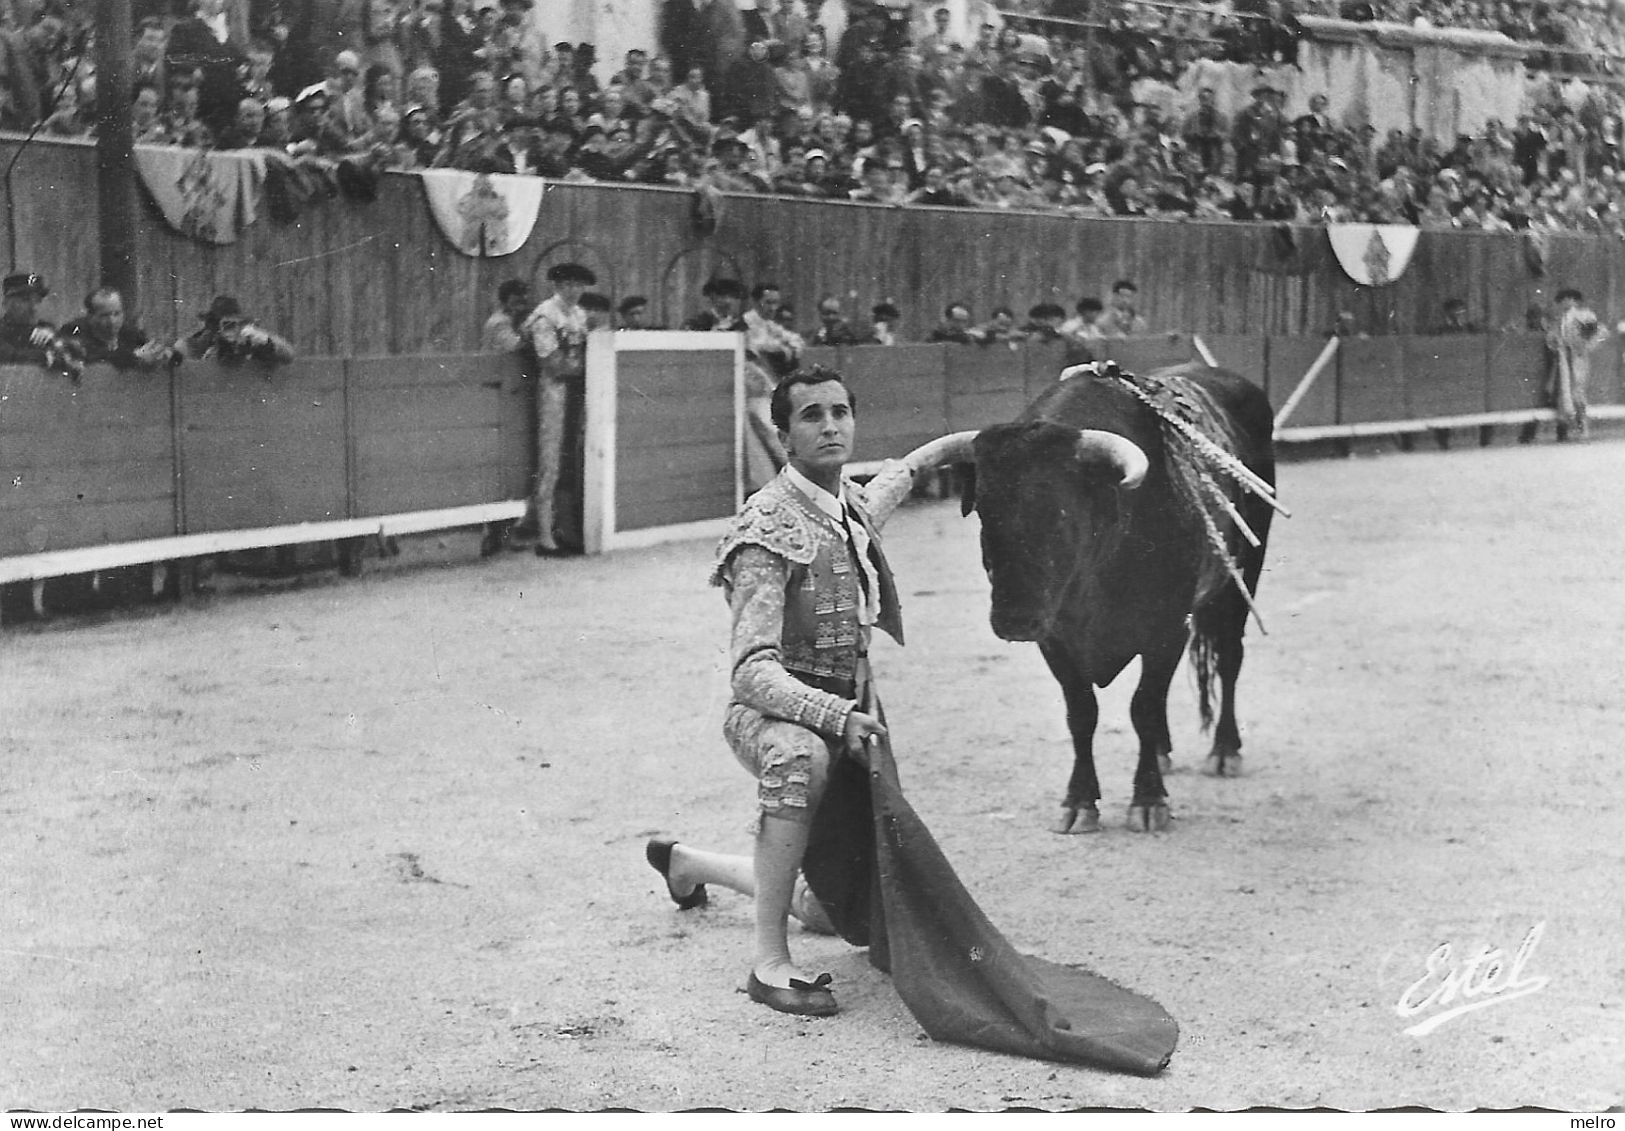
x=1321 y=388
x=127 y=468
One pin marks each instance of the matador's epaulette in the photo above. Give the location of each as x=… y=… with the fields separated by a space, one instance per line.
x=774 y=521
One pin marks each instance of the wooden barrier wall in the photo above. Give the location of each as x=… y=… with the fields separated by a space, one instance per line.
x=1399 y=378
x=353 y=279
x=674 y=439
x=127 y=456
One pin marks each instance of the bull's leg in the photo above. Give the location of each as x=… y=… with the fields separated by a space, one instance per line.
x=1080 y=809
x=1148 y=710
x=1225 y=622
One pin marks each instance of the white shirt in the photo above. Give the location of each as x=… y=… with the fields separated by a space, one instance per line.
x=835 y=508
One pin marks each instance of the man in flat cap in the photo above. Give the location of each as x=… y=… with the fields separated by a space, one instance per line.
x=24 y=338
x=557 y=333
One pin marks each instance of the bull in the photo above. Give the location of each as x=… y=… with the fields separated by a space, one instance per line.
x=1094 y=551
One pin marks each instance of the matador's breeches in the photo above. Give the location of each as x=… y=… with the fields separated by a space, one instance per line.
x=781 y=756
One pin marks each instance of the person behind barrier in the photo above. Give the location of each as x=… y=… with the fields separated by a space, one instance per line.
x=883 y=323
x=725 y=296
x=956 y=326
x=25 y=338
x=833 y=330
x=229 y=336
x=557 y=332
x=1575 y=332
x=1044 y=322
x=1001 y=327
x=767 y=342
x=1121 y=320
x=632 y=313
x=771 y=352
x=1456 y=320
x=501 y=332
x=600 y=313
x=101 y=334
x=806 y=582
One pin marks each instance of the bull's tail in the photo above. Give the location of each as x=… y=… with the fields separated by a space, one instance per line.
x=1204 y=653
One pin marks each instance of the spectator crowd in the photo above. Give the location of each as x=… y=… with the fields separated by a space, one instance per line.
x=896 y=112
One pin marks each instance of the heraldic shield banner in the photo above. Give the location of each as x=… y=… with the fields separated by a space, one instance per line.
x=486 y=214
x=1373 y=255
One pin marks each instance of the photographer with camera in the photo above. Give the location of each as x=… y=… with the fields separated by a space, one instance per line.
x=101 y=334
x=228 y=335
x=24 y=338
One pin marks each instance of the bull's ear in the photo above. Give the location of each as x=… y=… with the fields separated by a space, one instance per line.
x=967 y=487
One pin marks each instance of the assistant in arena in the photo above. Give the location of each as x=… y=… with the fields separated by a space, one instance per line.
x=806 y=582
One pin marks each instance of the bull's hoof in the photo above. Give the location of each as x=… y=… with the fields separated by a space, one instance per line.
x=1223 y=764
x=1073 y=821
x=1152 y=818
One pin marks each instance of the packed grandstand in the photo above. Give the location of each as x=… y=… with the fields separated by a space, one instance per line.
x=1079 y=106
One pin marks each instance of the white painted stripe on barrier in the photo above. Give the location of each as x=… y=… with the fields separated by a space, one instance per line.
x=477 y=514
x=1307 y=382
x=88 y=559
x=677 y=532
x=675 y=340
x=1473 y=420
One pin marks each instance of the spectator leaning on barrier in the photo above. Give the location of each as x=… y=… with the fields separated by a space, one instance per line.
x=25 y=339
x=772 y=347
x=101 y=334
x=502 y=331
x=1121 y=319
x=883 y=318
x=725 y=297
x=557 y=330
x=1001 y=327
x=600 y=313
x=632 y=313
x=1044 y=322
x=833 y=330
x=1084 y=325
x=229 y=336
x=1455 y=318
x=956 y=326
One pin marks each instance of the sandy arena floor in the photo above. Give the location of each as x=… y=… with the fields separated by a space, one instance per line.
x=379 y=843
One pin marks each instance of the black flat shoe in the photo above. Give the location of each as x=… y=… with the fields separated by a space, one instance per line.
x=658 y=853
x=804 y=999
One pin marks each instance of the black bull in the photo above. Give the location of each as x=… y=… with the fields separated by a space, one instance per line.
x=1093 y=554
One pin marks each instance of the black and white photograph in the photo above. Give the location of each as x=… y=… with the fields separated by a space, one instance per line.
x=812 y=556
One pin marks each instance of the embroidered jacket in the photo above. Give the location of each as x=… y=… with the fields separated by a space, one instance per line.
x=793 y=585
x=557 y=331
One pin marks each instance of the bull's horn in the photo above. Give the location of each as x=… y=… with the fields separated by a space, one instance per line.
x=1124 y=453
x=953 y=448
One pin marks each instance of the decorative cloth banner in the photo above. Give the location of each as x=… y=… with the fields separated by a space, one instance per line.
x=1373 y=255
x=483 y=213
x=208 y=194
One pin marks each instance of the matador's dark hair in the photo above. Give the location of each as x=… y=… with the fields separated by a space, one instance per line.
x=779 y=407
